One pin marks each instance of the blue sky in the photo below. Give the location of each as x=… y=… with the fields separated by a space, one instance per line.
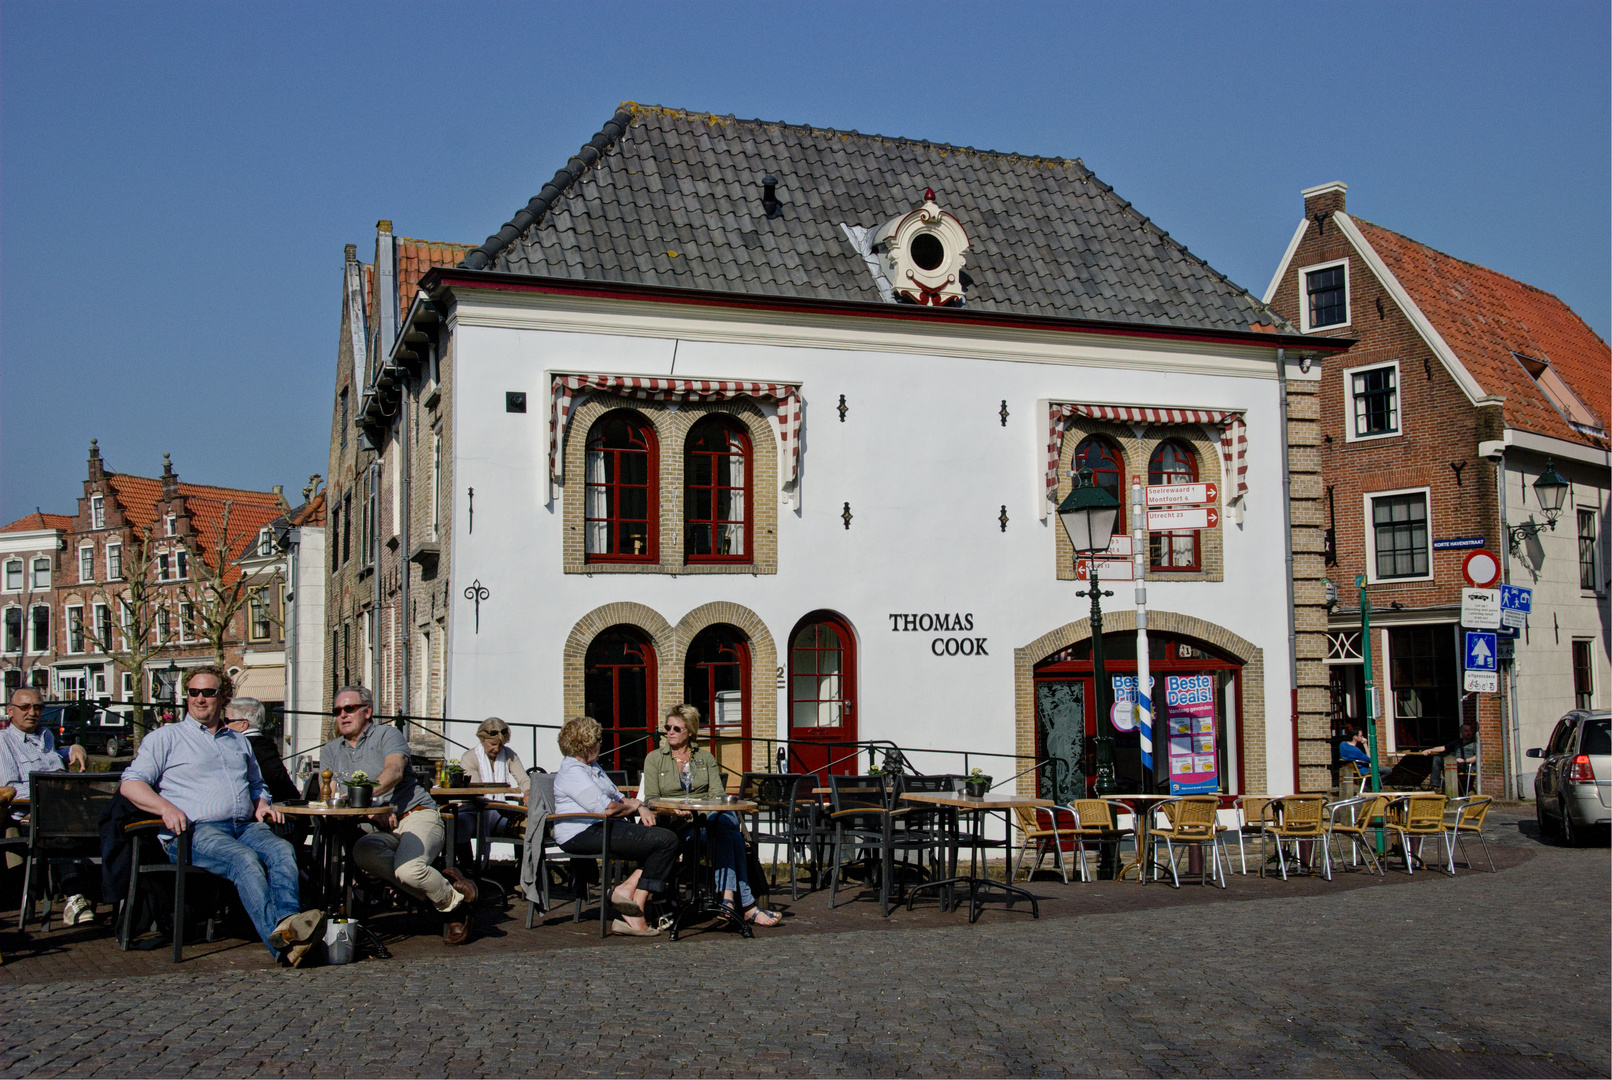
x=177 y=180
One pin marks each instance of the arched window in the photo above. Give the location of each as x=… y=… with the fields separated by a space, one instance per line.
x=622 y=477
x=822 y=694
x=717 y=500
x=1173 y=463
x=619 y=692
x=1099 y=454
x=716 y=681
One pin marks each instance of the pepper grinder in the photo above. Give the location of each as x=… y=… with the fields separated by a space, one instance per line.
x=327 y=786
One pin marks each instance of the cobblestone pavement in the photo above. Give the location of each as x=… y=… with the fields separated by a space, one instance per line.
x=1503 y=974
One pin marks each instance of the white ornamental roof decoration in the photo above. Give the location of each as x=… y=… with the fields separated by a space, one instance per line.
x=923 y=254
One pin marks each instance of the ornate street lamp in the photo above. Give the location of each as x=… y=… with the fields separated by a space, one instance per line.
x=1088 y=516
x=1551 y=490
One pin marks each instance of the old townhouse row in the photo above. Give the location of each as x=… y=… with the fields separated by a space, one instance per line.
x=773 y=419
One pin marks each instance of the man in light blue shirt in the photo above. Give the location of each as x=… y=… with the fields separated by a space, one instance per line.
x=200 y=775
x=27 y=747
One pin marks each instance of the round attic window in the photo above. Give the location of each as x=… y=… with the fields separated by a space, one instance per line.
x=927 y=251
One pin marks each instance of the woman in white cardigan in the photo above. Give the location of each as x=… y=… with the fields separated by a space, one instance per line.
x=490 y=762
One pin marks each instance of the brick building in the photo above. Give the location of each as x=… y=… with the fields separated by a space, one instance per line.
x=773 y=420
x=1464 y=385
x=74 y=575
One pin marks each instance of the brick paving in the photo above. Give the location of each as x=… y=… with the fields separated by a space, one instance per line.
x=1353 y=978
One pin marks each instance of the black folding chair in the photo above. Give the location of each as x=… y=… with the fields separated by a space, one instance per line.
x=787 y=817
x=864 y=825
x=64 y=822
x=150 y=858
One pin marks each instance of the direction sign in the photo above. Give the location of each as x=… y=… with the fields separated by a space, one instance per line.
x=1480 y=608
x=1481 y=682
x=1481 y=569
x=1481 y=651
x=1515 y=604
x=1181 y=494
x=1107 y=570
x=1201 y=517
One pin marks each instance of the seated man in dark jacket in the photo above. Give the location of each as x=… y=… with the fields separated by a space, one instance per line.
x=245 y=715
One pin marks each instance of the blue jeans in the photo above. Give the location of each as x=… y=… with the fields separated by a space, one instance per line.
x=261 y=866
x=726 y=844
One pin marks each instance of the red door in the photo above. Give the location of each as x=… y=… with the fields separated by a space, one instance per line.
x=822 y=697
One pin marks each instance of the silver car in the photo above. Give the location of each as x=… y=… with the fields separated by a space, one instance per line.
x=1573 y=787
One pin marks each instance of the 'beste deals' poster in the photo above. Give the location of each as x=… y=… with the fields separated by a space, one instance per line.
x=1190 y=706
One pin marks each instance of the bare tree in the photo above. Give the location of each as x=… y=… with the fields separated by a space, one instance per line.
x=219 y=587
x=142 y=628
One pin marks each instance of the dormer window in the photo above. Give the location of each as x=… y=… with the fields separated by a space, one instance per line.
x=922 y=254
x=1579 y=416
x=168 y=525
x=265 y=543
x=97 y=512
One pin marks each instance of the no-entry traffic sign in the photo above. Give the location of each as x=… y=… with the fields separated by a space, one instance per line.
x=1181 y=494
x=1200 y=517
x=1481 y=569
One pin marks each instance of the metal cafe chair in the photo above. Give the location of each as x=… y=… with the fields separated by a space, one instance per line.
x=64 y=822
x=1291 y=819
x=787 y=818
x=1194 y=821
x=1039 y=826
x=863 y=824
x=1250 y=823
x=1465 y=818
x=1351 y=819
x=1420 y=816
x=1097 y=824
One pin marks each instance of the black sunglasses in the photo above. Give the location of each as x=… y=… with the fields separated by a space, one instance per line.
x=343 y=710
x=202 y=691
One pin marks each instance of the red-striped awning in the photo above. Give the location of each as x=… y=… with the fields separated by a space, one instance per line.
x=786 y=422
x=1233 y=439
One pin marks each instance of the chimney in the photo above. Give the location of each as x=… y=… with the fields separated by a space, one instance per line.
x=1324 y=200
x=384 y=226
x=170 y=482
x=97 y=472
x=350 y=253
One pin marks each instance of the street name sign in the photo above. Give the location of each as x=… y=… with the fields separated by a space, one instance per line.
x=1480 y=608
x=1181 y=494
x=1201 y=517
x=1515 y=604
x=1458 y=543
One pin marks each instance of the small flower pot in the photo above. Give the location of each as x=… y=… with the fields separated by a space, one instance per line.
x=359 y=796
x=977 y=788
x=458 y=779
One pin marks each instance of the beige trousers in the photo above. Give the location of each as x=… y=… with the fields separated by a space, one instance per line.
x=403 y=858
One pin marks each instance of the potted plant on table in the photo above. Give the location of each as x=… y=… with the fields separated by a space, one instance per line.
x=360 y=789
x=977 y=784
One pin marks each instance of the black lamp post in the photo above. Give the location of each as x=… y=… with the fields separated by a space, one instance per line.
x=1551 y=490
x=173 y=685
x=1088 y=516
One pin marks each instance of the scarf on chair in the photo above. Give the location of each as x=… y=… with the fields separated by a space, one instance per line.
x=495 y=771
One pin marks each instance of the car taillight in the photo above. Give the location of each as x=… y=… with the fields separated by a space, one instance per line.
x=1580 y=772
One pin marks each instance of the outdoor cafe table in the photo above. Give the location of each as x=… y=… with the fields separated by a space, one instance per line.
x=329 y=854
x=446 y=795
x=1142 y=808
x=701 y=898
x=952 y=803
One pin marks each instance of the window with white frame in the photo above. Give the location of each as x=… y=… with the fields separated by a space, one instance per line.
x=187 y=621
x=265 y=543
x=1588 y=579
x=13 y=642
x=128 y=686
x=97 y=512
x=13 y=575
x=1397 y=535
x=1373 y=395
x=114 y=562
x=75 y=629
x=183 y=563
x=42 y=573
x=169 y=525
x=40 y=629
x=86 y=563
x=164 y=566
x=436 y=483
x=259 y=617
x=103 y=628
x=1324 y=295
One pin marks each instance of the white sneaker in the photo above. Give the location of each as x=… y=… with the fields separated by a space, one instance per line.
x=79 y=910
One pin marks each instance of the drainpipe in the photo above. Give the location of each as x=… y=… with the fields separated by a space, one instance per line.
x=406 y=650
x=1510 y=724
x=1287 y=555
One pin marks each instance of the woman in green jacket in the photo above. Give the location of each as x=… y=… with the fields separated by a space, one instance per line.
x=679 y=767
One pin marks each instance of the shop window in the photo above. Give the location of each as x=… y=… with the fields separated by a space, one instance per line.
x=620 y=505
x=1583 y=674
x=716 y=681
x=1099 y=454
x=13 y=575
x=1424 y=680
x=619 y=692
x=1173 y=463
x=717 y=499
x=1399 y=535
x=1326 y=291
x=1374 y=393
x=1586 y=550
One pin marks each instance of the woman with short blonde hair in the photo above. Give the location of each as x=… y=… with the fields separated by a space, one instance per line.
x=582 y=787
x=491 y=761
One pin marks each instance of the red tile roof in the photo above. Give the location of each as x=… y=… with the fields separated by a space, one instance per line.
x=249 y=511
x=415 y=257
x=1486 y=316
x=36 y=520
x=311 y=512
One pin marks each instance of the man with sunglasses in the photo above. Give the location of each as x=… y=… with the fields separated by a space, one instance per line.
x=200 y=775
x=410 y=834
x=26 y=747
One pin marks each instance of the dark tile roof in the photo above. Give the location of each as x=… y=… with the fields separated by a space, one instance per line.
x=1489 y=318
x=672 y=198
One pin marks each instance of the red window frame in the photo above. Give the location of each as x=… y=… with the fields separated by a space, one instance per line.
x=836 y=755
x=711 y=491
x=718 y=650
x=1174 y=545
x=617 y=652
x=1106 y=461
x=635 y=445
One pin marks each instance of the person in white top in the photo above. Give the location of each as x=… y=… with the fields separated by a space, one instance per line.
x=490 y=762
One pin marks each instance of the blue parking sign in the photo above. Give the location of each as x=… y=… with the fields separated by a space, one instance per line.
x=1481 y=650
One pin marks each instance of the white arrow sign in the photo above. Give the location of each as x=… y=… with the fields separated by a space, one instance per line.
x=1107 y=569
x=1202 y=517
x=1481 y=656
x=1181 y=494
